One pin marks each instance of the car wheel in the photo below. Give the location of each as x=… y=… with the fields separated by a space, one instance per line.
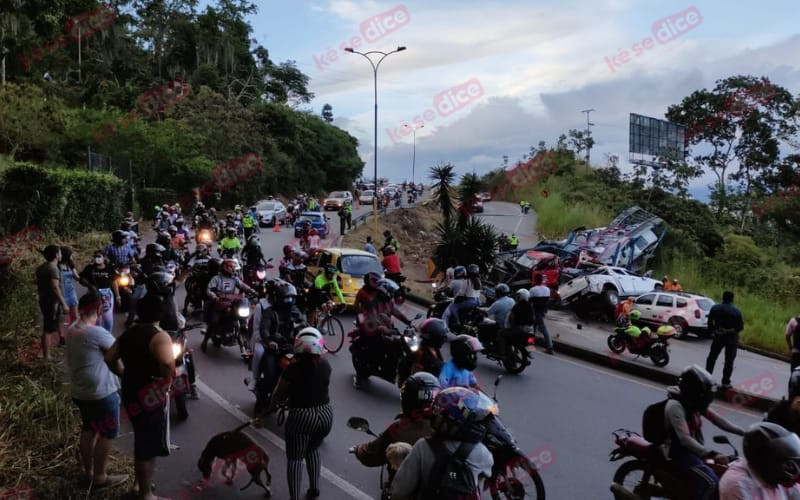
x=610 y=297
x=680 y=325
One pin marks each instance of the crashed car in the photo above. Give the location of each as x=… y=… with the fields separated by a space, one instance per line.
x=629 y=241
x=517 y=269
x=604 y=287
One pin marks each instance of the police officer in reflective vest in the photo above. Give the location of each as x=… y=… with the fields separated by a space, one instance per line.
x=249 y=225
x=513 y=241
x=348 y=208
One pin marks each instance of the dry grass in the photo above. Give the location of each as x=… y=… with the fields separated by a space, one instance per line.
x=414 y=230
x=39 y=422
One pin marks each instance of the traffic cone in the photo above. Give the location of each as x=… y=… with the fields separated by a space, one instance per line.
x=277 y=228
x=358 y=205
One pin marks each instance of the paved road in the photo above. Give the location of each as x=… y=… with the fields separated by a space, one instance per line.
x=562 y=412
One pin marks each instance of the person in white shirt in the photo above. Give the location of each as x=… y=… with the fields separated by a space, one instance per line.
x=540 y=299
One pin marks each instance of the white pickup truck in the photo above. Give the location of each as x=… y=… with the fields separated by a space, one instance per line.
x=608 y=284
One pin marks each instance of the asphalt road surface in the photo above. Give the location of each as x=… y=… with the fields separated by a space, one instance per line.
x=562 y=412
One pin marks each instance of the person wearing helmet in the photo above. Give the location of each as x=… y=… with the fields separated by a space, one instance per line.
x=499 y=312
x=685 y=446
x=325 y=283
x=312 y=240
x=304 y=386
x=154 y=258
x=223 y=284
x=521 y=317
x=466 y=289
x=390 y=240
x=676 y=286
x=119 y=252
x=199 y=264
x=540 y=300
x=252 y=255
x=177 y=241
x=416 y=397
x=162 y=223
x=770 y=468
x=428 y=357
x=295 y=270
x=391 y=263
x=464 y=351
x=180 y=226
x=368 y=293
x=787 y=411
x=249 y=224
x=229 y=245
x=458 y=419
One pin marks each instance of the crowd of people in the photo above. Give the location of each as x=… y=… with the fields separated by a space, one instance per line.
x=445 y=415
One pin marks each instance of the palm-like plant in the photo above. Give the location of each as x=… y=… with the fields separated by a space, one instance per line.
x=471 y=185
x=443 y=177
x=471 y=243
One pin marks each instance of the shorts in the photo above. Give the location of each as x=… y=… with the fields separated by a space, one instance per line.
x=150 y=429
x=100 y=415
x=51 y=315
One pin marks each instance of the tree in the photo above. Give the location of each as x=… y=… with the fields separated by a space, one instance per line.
x=327 y=113
x=30 y=123
x=579 y=140
x=471 y=185
x=443 y=177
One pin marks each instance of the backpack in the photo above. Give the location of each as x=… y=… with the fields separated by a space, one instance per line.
x=653 y=428
x=451 y=478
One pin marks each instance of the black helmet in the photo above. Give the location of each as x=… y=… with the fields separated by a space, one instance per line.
x=230 y=230
x=179 y=222
x=502 y=290
x=387 y=289
x=163 y=239
x=773 y=453
x=331 y=269
x=154 y=250
x=433 y=331
x=118 y=236
x=473 y=271
x=286 y=294
x=464 y=349
x=794 y=384
x=418 y=392
x=214 y=265
x=160 y=282
x=697 y=388
x=371 y=280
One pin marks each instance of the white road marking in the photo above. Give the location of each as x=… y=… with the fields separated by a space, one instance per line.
x=351 y=490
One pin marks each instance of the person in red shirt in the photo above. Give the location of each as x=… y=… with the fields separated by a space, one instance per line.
x=391 y=263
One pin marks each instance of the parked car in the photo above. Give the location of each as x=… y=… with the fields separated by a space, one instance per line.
x=268 y=210
x=337 y=199
x=367 y=197
x=352 y=263
x=319 y=221
x=686 y=312
x=607 y=284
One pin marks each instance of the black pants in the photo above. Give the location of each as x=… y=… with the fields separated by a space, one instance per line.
x=795 y=360
x=342 y=222
x=349 y=220
x=729 y=341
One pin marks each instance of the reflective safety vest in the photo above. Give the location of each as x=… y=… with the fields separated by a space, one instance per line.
x=349 y=208
x=248 y=221
x=311 y=204
x=513 y=240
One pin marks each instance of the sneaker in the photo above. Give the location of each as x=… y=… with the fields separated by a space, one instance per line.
x=193 y=392
x=312 y=493
x=357 y=382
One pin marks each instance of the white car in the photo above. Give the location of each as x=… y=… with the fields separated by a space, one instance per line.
x=607 y=283
x=367 y=197
x=269 y=210
x=686 y=312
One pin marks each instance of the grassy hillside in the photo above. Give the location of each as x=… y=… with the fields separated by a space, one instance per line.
x=576 y=196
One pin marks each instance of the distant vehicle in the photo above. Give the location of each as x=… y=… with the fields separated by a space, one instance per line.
x=319 y=221
x=485 y=196
x=269 y=210
x=686 y=312
x=352 y=264
x=367 y=197
x=337 y=199
x=607 y=284
x=629 y=241
x=477 y=205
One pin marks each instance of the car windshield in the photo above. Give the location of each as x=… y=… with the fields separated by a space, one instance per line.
x=266 y=206
x=368 y=192
x=359 y=265
x=338 y=194
x=311 y=216
x=526 y=261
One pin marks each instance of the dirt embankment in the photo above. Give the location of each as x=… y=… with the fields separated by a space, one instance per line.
x=414 y=230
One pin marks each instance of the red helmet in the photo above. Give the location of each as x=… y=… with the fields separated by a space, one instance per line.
x=313 y=232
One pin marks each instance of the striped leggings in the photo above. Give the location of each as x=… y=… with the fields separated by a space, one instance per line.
x=305 y=430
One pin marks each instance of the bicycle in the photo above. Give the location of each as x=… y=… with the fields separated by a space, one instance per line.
x=330 y=327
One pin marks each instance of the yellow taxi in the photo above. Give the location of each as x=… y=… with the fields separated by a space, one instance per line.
x=352 y=264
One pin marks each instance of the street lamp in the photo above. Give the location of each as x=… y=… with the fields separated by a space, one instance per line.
x=414 y=157
x=375 y=66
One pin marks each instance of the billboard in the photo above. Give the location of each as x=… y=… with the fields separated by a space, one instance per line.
x=654 y=138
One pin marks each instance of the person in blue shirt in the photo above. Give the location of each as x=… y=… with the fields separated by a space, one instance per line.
x=369 y=247
x=499 y=312
x=464 y=350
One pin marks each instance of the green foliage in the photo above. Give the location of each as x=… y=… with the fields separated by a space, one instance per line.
x=59 y=200
x=471 y=185
x=149 y=198
x=472 y=243
x=441 y=189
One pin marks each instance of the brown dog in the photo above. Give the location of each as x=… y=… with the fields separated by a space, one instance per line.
x=231 y=447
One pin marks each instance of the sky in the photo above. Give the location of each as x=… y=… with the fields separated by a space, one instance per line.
x=490 y=78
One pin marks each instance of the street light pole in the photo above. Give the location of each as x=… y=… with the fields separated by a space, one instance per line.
x=414 y=154
x=375 y=66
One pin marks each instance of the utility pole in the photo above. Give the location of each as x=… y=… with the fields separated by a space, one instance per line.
x=588 y=133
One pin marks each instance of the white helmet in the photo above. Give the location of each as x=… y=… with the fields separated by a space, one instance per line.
x=523 y=294
x=309 y=341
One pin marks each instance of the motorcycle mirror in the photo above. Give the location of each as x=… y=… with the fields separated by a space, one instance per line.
x=496 y=383
x=359 y=424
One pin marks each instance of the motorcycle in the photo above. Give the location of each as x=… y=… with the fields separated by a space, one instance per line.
x=361 y=424
x=649 y=474
x=206 y=236
x=519 y=344
x=125 y=286
x=654 y=347
x=183 y=367
x=256 y=277
x=468 y=317
x=232 y=328
x=196 y=286
x=514 y=475
x=396 y=346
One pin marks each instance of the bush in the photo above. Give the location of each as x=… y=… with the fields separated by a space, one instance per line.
x=59 y=200
x=152 y=197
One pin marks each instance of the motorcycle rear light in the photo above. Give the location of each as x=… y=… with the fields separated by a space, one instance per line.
x=531 y=340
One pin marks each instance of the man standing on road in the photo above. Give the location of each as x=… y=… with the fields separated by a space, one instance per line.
x=51 y=302
x=793 y=340
x=342 y=219
x=540 y=298
x=725 y=321
x=348 y=211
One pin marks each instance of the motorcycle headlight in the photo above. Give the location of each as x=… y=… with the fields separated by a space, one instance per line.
x=243 y=311
x=176 y=350
x=124 y=281
x=261 y=274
